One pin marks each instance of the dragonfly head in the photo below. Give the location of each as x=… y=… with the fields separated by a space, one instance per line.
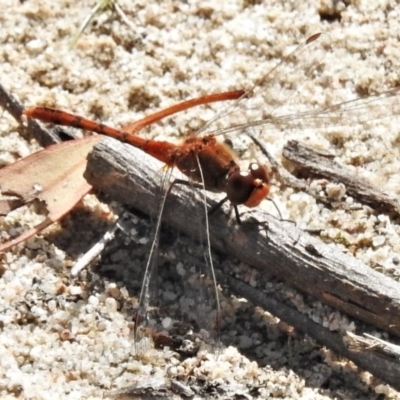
x=250 y=187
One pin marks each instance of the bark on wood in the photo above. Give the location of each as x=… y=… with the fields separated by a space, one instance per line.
x=322 y=270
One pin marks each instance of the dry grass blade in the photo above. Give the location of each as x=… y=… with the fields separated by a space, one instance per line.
x=100 y=6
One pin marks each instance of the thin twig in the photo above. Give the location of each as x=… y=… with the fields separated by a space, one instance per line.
x=320 y=165
x=45 y=137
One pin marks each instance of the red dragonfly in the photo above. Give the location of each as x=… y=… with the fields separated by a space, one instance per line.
x=211 y=166
x=207 y=163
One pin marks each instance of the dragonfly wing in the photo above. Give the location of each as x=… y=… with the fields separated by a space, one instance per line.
x=202 y=285
x=180 y=300
x=276 y=90
x=148 y=320
x=358 y=111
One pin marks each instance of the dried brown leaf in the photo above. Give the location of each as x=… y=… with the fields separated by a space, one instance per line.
x=53 y=175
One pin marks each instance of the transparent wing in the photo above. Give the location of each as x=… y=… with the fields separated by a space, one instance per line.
x=275 y=91
x=179 y=304
x=202 y=285
x=274 y=103
x=354 y=112
x=149 y=316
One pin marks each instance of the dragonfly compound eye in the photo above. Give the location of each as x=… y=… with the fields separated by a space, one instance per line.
x=248 y=188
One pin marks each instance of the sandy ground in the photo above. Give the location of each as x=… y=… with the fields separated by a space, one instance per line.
x=117 y=73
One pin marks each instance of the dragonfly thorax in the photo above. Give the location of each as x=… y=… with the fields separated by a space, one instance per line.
x=204 y=160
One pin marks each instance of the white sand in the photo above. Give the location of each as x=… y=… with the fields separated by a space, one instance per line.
x=116 y=74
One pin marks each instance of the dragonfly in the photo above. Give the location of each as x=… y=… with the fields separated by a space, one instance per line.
x=207 y=163
x=210 y=166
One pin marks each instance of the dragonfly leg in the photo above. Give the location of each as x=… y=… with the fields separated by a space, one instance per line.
x=217 y=206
